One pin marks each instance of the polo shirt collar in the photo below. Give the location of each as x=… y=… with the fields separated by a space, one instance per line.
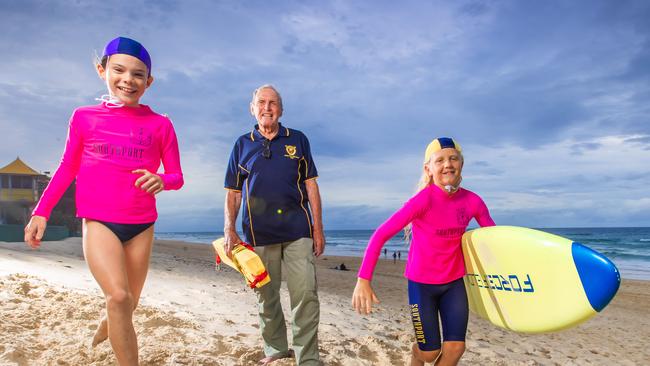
x=256 y=135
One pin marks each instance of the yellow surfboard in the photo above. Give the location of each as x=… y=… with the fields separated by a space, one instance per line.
x=245 y=261
x=531 y=281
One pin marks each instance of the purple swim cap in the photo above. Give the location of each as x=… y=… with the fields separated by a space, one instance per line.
x=127 y=46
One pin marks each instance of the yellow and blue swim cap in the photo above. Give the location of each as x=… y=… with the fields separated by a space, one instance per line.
x=439 y=144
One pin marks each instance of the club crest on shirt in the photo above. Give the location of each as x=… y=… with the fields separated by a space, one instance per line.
x=141 y=136
x=291 y=151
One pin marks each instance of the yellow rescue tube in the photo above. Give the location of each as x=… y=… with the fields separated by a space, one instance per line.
x=245 y=261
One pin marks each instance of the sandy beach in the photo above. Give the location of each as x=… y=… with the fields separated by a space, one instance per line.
x=192 y=314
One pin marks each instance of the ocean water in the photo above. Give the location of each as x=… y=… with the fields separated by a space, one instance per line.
x=628 y=248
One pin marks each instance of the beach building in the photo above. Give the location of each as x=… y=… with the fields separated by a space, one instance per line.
x=19 y=191
x=20 y=188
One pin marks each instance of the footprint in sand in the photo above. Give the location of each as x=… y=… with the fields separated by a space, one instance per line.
x=218 y=347
x=349 y=353
x=367 y=354
x=158 y=321
x=246 y=356
x=24 y=288
x=69 y=314
x=406 y=338
x=16 y=356
x=485 y=352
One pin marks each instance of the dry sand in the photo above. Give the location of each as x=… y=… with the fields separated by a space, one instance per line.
x=191 y=314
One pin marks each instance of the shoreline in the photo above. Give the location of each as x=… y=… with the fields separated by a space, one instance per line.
x=192 y=314
x=622 y=267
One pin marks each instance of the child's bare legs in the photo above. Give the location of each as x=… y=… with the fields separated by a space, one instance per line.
x=419 y=358
x=115 y=267
x=101 y=333
x=137 y=270
x=452 y=351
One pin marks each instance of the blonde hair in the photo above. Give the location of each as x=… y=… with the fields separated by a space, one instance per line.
x=425 y=181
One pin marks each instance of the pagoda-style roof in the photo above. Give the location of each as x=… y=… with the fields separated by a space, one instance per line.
x=18 y=167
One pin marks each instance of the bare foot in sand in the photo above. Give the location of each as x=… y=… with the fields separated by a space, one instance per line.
x=101 y=334
x=278 y=356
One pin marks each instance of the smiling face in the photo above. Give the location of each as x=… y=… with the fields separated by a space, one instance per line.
x=445 y=167
x=266 y=108
x=126 y=77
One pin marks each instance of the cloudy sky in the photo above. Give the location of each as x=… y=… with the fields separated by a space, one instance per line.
x=549 y=99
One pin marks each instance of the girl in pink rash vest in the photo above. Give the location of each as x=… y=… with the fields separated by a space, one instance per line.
x=114 y=150
x=435 y=219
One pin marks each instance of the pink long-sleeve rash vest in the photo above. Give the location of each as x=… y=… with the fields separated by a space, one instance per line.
x=439 y=221
x=103 y=147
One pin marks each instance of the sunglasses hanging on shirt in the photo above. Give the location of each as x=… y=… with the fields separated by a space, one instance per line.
x=266 y=153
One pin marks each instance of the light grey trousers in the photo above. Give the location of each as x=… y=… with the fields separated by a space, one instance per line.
x=298 y=259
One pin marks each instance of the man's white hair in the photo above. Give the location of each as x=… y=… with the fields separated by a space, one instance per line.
x=267 y=86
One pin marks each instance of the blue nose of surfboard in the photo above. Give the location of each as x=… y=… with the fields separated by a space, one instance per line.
x=599 y=276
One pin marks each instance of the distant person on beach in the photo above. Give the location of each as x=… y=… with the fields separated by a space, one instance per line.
x=271 y=170
x=340 y=267
x=394 y=257
x=399 y=255
x=435 y=220
x=385 y=252
x=114 y=150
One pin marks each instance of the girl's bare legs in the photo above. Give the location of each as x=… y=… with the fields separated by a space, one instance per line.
x=113 y=267
x=452 y=351
x=137 y=267
x=419 y=358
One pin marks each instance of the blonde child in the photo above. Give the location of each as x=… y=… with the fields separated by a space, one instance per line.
x=436 y=218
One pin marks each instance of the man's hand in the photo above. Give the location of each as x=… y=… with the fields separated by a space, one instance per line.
x=231 y=239
x=313 y=194
x=231 y=208
x=319 y=243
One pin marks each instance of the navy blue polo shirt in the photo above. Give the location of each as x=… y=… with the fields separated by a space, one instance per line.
x=272 y=182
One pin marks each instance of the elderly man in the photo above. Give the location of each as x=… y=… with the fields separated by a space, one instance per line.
x=271 y=169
